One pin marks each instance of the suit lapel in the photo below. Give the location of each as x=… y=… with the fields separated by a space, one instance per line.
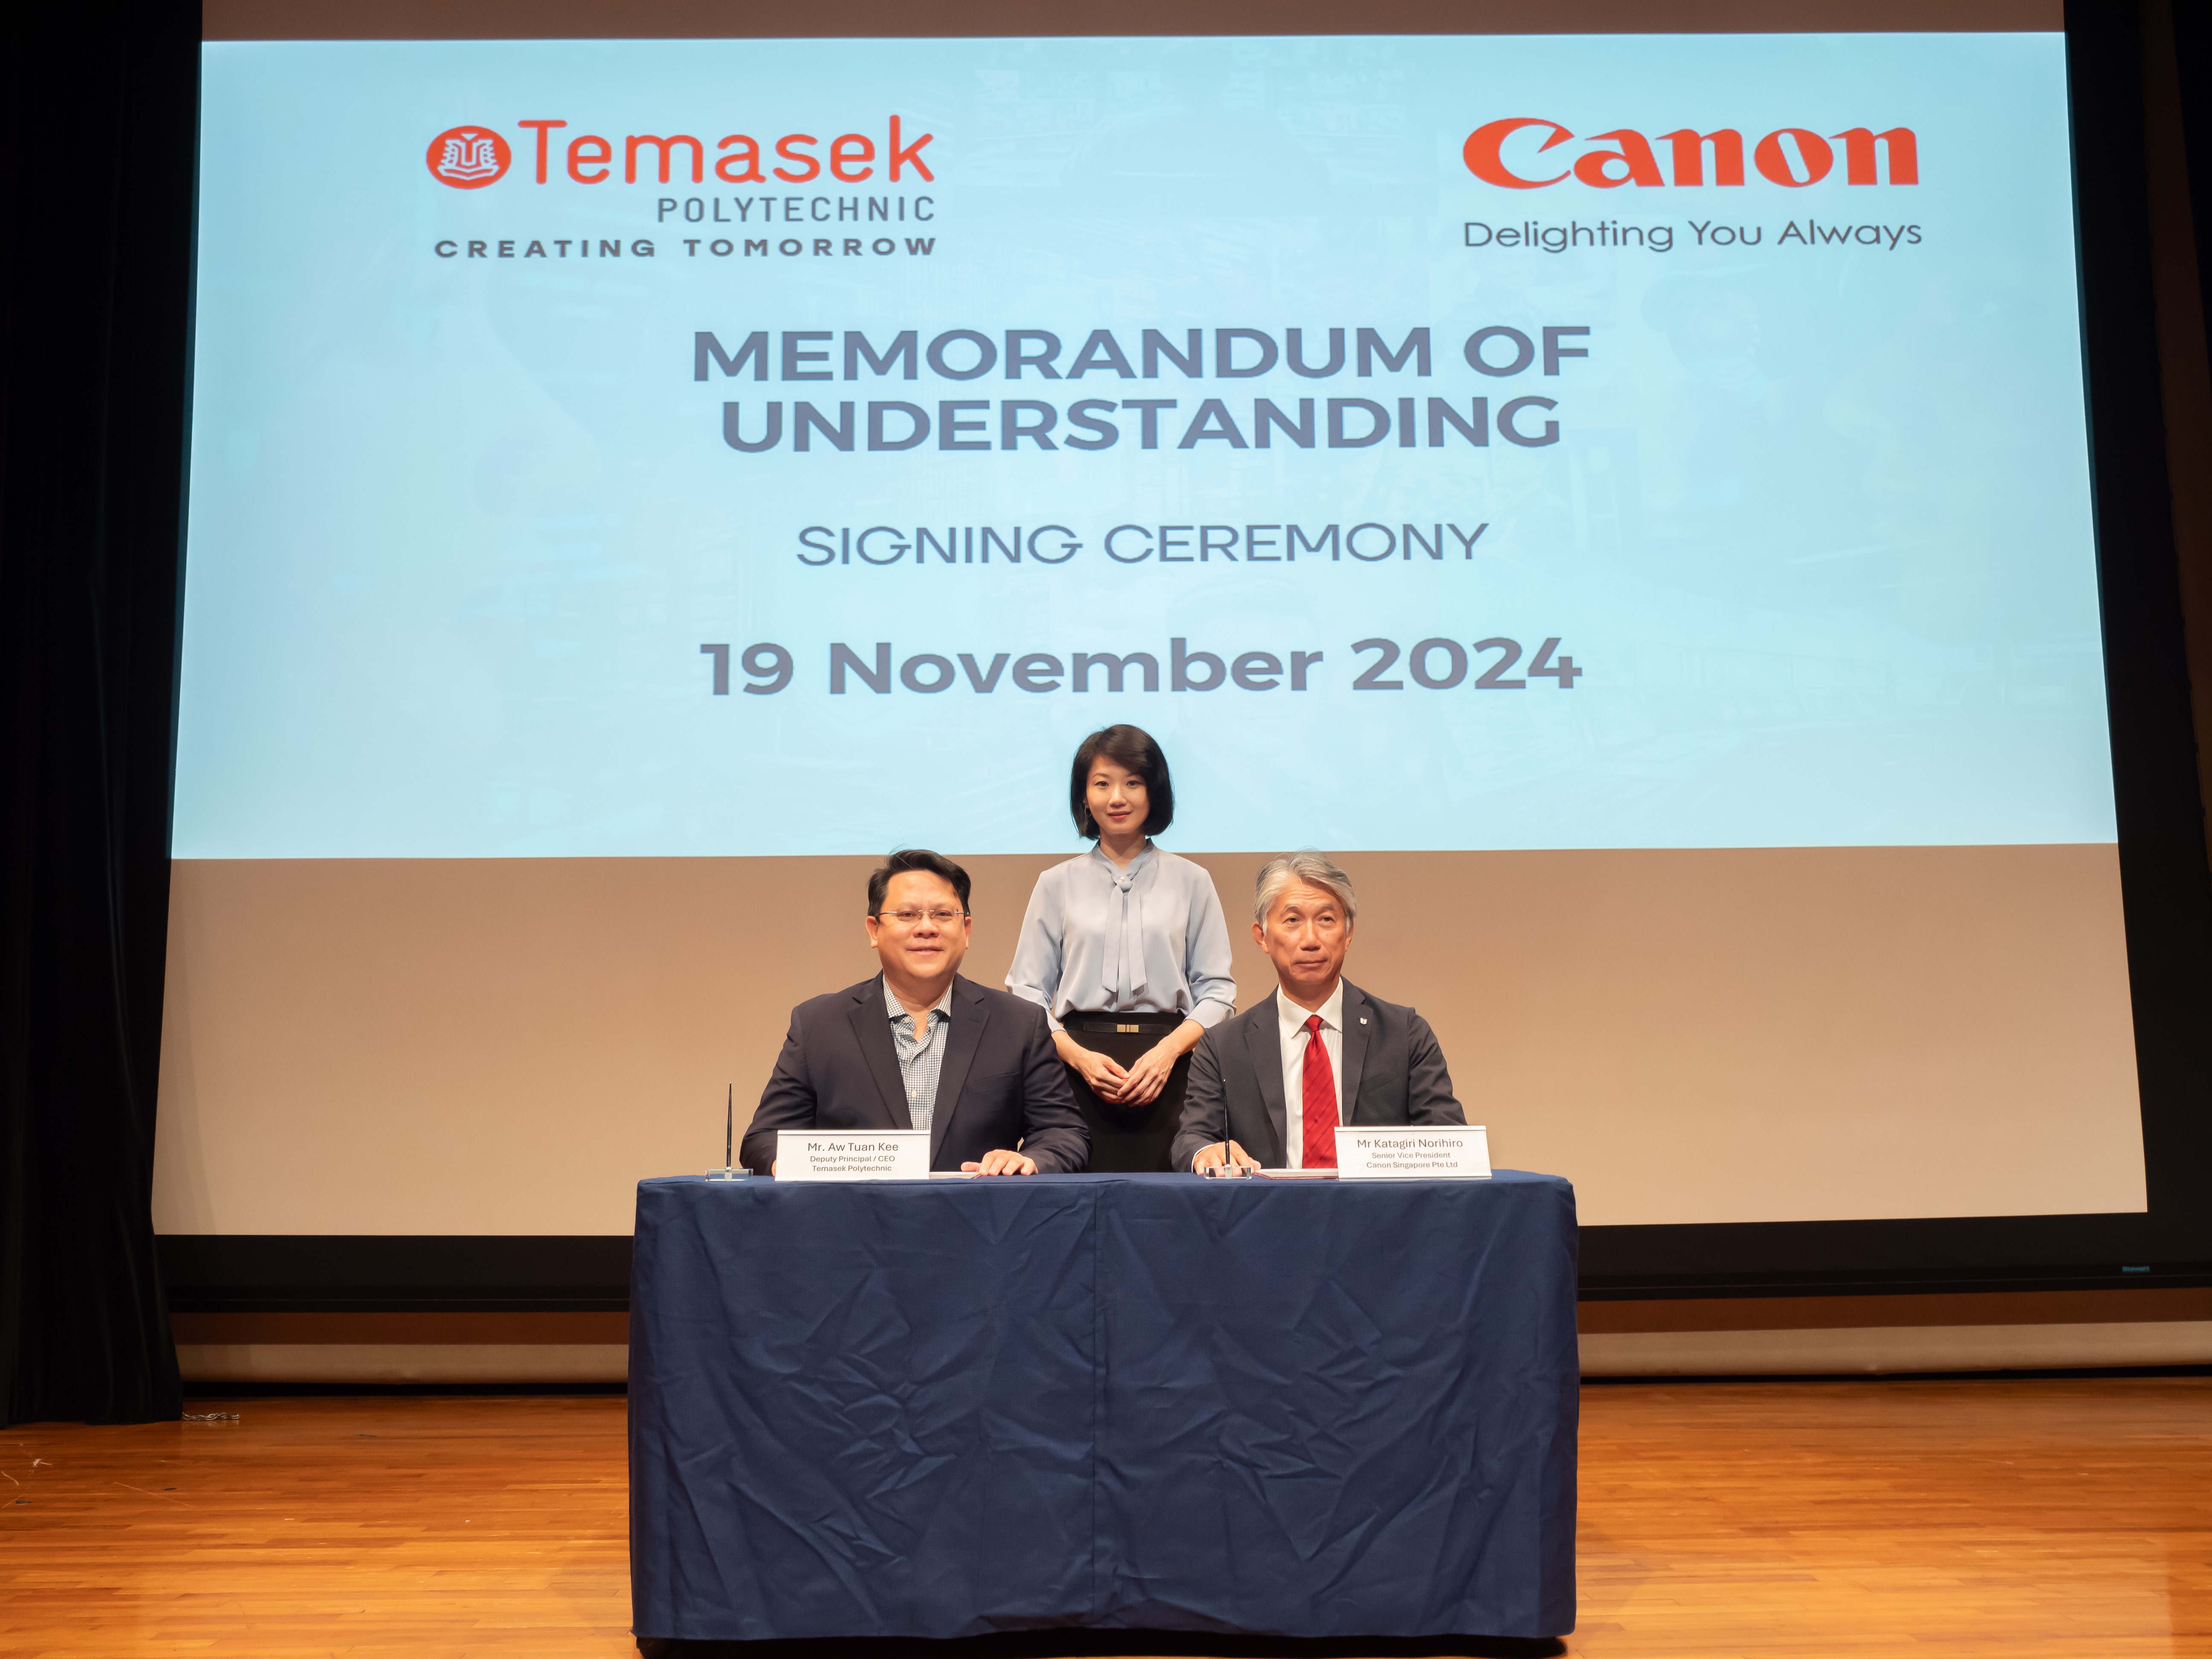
x=1265 y=1037
x=971 y=1013
x=1357 y=1031
x=872 y=1030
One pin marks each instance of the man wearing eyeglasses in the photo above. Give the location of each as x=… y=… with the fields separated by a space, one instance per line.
x=917 y=1046
x=1271 y=1087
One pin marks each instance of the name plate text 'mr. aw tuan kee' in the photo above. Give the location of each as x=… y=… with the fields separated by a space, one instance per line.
x=852 y=1155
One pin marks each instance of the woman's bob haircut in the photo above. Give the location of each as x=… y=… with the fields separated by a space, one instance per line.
x=1133 y=747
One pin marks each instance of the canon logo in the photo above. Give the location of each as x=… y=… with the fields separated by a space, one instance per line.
x=1790 y=157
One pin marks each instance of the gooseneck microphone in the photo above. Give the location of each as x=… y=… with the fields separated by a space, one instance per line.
x=729 y=1171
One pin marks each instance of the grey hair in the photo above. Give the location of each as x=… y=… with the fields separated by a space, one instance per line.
x=1313 y=869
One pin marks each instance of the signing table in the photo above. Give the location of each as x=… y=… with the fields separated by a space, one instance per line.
x=943 y=1408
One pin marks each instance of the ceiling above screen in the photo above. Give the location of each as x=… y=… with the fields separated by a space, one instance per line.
x=586 y=20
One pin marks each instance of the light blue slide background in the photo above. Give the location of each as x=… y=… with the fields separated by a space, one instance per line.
x=1817 y=531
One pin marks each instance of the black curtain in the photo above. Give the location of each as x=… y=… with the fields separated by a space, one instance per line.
x=101 y=109
x=2192 y=50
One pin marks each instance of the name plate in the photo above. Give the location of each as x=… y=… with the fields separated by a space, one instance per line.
x=852 y=1155
x=1447 y=1152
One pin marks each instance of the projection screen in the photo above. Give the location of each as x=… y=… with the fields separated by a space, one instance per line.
x=1627 y=497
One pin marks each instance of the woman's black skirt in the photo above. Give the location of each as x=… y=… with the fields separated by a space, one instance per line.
x=1126 y=1139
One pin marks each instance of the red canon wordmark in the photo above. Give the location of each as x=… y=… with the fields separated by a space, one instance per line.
x=1633 y=161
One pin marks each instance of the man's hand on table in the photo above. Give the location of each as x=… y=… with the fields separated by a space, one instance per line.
x=1000 y=1162
x=1221 y=1152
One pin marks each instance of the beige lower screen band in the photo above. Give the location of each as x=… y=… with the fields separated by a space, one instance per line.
x=506 y=1047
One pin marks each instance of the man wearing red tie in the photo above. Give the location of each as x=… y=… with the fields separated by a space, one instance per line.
x=1320 y=1052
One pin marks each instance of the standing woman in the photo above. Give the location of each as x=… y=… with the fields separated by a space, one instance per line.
x=1125 y=948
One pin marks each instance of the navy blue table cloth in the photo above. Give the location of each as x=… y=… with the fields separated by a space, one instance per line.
x=944 y=1408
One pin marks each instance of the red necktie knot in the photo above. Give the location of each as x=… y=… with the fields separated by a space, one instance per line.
x=1320 y=1104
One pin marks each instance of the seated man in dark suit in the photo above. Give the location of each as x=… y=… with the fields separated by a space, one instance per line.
x=1319 y=1052
x=917 y=1046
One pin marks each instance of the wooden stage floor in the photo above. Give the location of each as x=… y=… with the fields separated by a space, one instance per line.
x=1984 y=1517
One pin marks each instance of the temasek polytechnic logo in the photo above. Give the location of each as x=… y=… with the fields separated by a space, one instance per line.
x=468 y=158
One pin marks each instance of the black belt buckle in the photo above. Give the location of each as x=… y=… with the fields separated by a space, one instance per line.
x=1121 y=1025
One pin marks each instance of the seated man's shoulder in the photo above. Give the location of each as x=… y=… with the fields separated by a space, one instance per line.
x=1231 y=1034
x=832 y=1004
x=1390 y=1013
x=1259 y=1012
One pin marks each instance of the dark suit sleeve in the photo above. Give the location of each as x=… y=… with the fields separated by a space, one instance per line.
x=1053 y=1130
x=788 y=1102
x=1429 y=1097
x=1204 y=1104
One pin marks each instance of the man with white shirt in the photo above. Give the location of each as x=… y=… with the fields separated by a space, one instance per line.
x=1279 y=1078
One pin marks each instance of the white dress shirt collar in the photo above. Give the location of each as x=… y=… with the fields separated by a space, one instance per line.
x=1294 y=1018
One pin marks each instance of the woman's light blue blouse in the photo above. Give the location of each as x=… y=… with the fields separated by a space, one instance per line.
x=1147 y=939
